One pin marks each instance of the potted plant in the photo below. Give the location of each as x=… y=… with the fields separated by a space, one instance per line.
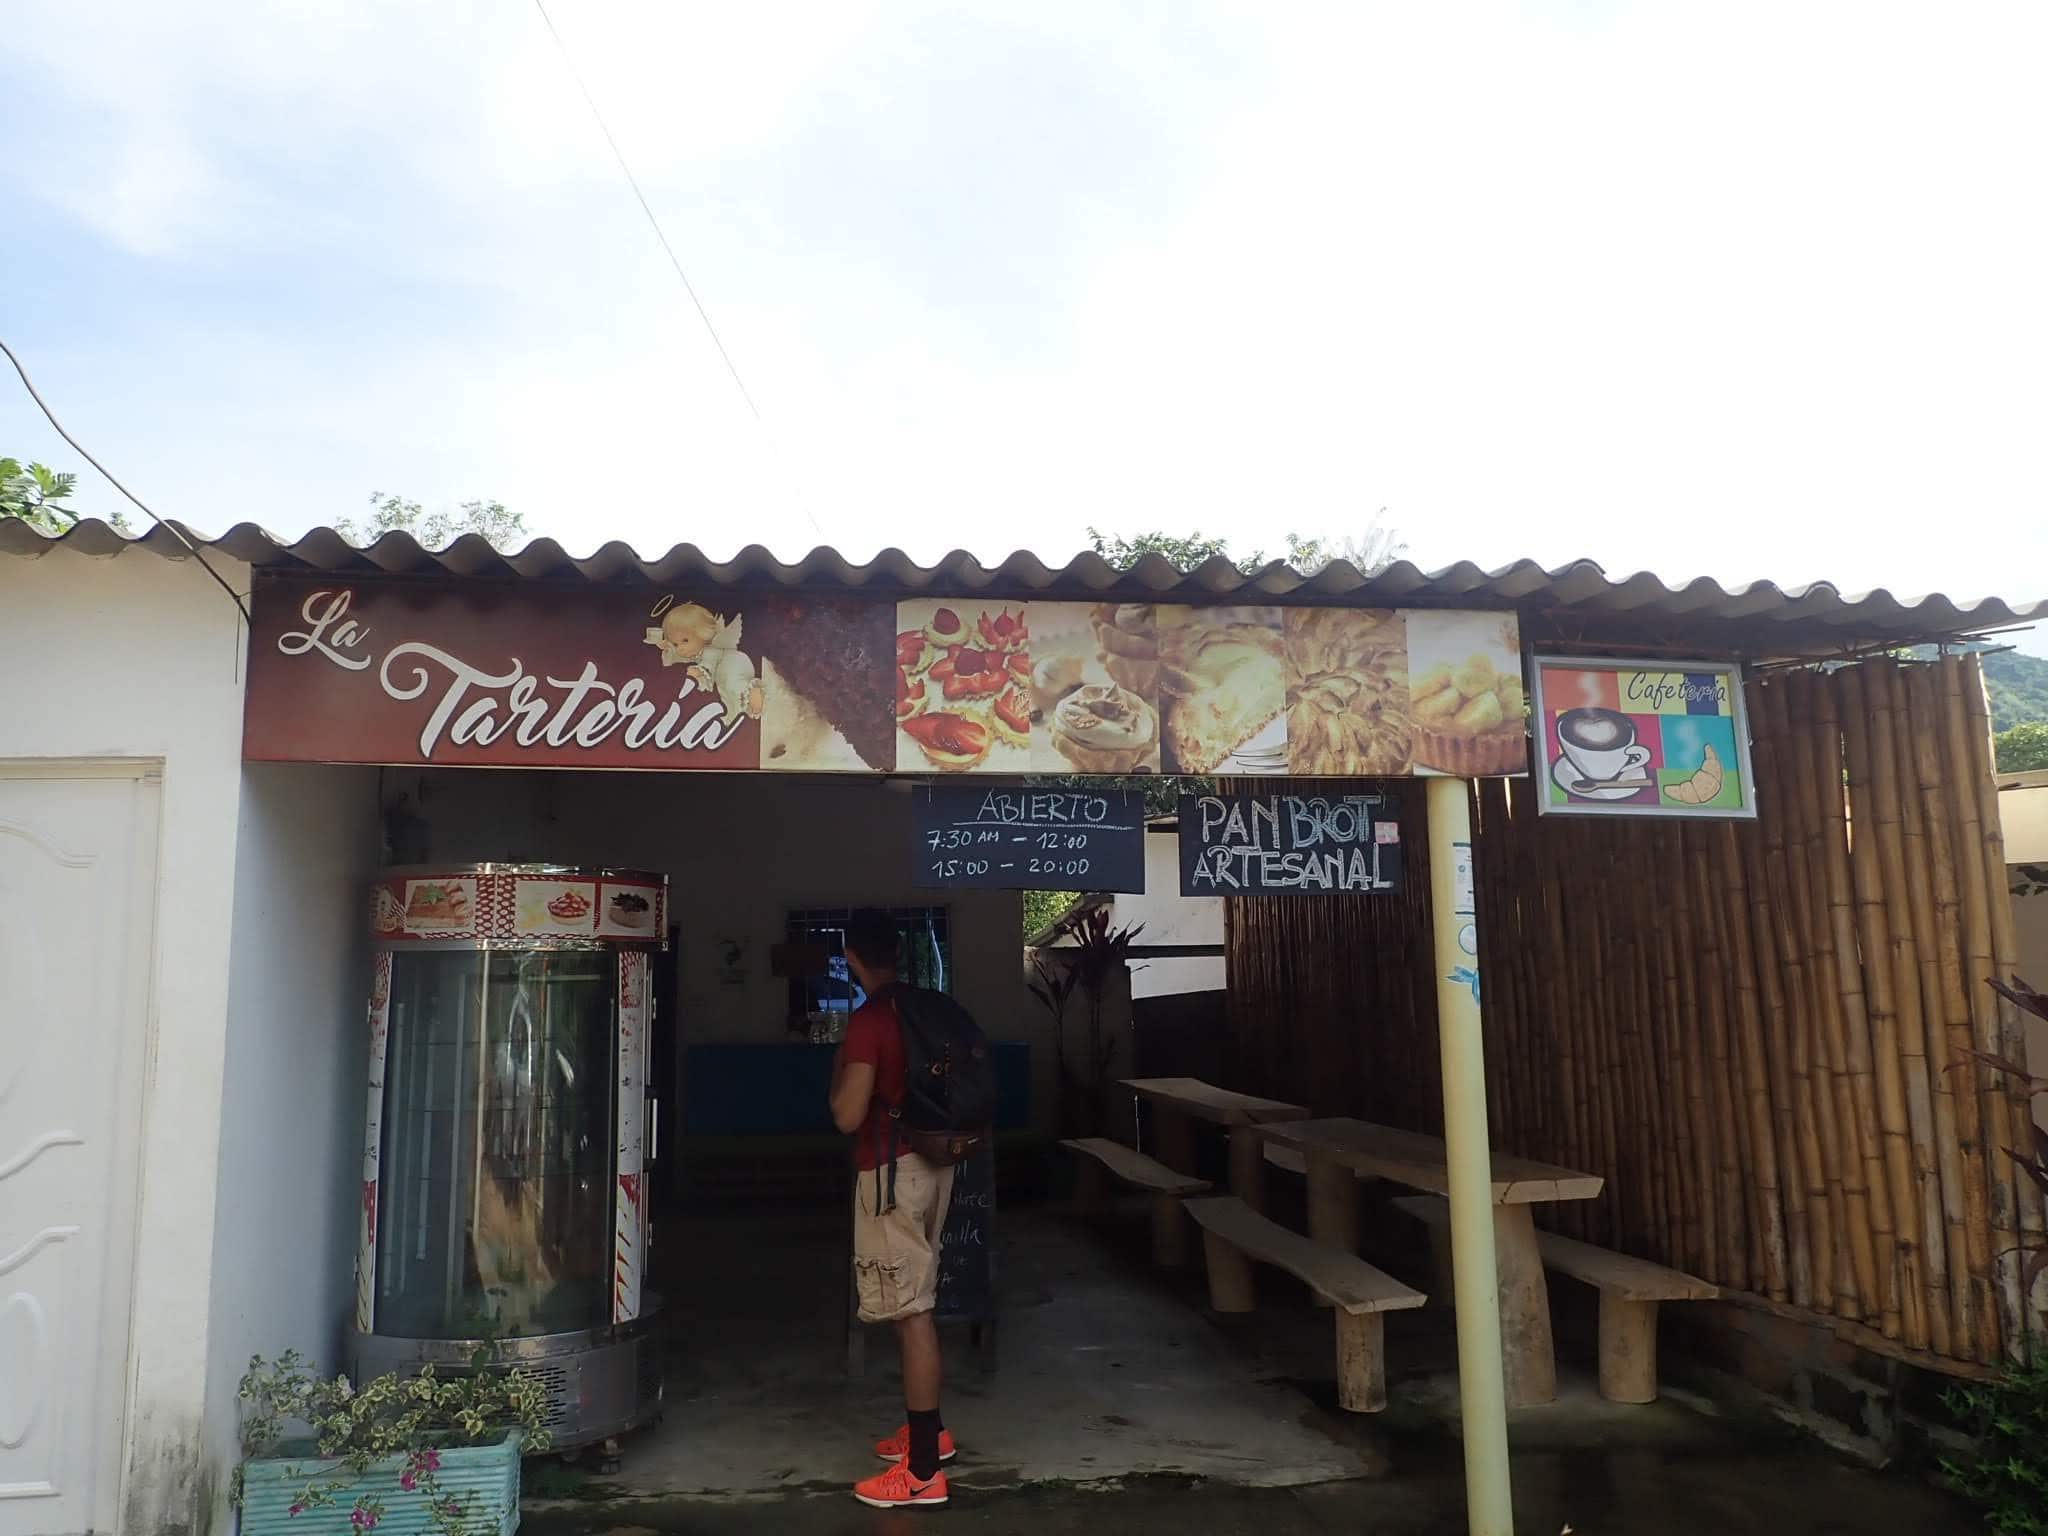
x=402 y=1453
x=1098 y=954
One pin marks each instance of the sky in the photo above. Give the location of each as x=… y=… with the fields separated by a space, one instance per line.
x=1745 y=290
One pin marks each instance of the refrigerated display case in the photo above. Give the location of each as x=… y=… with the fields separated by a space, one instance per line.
x=509 y=1127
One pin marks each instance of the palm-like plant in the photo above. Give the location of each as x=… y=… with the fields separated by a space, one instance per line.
x=1100 y=950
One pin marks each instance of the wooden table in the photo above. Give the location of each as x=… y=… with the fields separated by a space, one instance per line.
x=1340 y=1152
x=1177 y=1102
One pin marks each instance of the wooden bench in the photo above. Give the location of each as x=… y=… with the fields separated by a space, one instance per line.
x=1101 y=1157
x=1630 y=1289
x=1233 y=1235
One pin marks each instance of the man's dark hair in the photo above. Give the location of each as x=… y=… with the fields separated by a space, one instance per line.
x=872 y=936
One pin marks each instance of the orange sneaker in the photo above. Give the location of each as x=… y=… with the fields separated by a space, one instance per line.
x=897 y=1489
x=897 y=1446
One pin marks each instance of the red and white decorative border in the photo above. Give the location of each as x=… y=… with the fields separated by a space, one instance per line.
x=373 y=1138
x=466 y=905
x=629 y=1224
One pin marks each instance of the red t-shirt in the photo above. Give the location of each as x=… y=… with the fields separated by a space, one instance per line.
x=875 y=1035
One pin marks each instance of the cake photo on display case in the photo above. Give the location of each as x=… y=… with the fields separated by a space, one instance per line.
x=1093 y=688
x=1466 y=709
x=963 y=687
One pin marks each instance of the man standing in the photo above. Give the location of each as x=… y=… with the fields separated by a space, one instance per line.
x=899 y=1211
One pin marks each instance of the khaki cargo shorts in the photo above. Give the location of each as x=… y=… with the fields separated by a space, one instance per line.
x=896 y=1252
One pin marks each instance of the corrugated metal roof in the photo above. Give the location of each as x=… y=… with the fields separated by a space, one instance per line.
x=1575 y=602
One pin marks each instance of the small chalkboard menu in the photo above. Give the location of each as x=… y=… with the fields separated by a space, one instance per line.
x=1288 y=845
x=1016 y=839
x=967 y=1243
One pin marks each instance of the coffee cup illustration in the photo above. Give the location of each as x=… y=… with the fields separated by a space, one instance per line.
x=1600 y=744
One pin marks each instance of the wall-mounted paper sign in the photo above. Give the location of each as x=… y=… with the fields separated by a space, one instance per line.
x=1641 y=738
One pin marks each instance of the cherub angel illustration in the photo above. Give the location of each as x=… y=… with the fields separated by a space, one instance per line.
x=691 y=635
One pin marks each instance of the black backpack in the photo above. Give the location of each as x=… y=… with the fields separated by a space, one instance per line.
x=949 y=1078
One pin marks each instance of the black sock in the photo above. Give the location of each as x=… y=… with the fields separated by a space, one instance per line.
x=924 y=1444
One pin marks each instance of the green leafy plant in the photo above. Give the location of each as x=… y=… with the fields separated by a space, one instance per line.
x=1100 y=952
x=1054 y=989
x=2033 y=1159
x=35 y=494
x=434 y=530
x=2006 y=1469
x=2023 y=748
x=408 y=1420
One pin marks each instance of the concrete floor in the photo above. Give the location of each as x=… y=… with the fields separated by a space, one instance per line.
x=1120 y=1404
x=1102 y=1374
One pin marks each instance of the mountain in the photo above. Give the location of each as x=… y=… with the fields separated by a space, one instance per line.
x=2018 y=686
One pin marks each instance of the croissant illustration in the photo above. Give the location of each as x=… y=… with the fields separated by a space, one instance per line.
x=1704 y=784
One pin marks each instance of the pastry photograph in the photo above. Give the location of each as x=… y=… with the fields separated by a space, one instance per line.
x=826 y=670
x=1085 y=717
x=1103 y=728
x=550 y=906
x=1222 y=690
x=628 y=909
x=1127 y=644
x=1347 y=691
x=439 y=904
x=962 y=687
x=1465 y=703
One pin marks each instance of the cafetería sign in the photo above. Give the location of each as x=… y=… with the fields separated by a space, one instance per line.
x=598 y=677
x=1654 y=738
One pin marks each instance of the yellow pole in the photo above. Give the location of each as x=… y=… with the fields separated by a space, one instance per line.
x=1482 y=1393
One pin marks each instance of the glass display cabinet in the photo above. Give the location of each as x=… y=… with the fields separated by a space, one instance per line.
x=509 y=1127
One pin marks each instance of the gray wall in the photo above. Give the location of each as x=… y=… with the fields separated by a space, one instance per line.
x=292 y=1100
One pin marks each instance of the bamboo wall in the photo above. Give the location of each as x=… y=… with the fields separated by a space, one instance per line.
x=1332 y=999
x=1758 y=1032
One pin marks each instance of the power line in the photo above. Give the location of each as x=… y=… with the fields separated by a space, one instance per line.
x=79 y=448
x=655 y=224
x=633 y=182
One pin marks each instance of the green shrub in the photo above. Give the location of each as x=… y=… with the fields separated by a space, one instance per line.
x=2006 y=1470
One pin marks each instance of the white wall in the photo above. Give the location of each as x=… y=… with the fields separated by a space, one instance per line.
x=740 y=851
x=1170 y=918
x=2030 y=927
x=2023 y=821
x=2023 y=817
x=135 y=656
x=291 y=1131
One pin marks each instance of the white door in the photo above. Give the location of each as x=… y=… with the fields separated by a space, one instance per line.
x=77 y=877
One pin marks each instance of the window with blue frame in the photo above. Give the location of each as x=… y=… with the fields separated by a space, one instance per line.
x=822 y=991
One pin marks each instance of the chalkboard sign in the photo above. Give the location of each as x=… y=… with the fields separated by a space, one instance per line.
x=1288 y=845
x=967 y=1244
x=1012 y=839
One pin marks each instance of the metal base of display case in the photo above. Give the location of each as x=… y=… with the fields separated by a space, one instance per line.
x=599 y=1382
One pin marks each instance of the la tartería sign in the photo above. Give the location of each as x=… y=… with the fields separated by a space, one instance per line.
x=601 y=677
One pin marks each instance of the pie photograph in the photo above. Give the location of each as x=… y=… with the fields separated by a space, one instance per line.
x=1094 y=678
x=963 y=687
x=1347 y=692
x=1222 y=690
x=554 y=906
x=1465 y=703
x=825 y=676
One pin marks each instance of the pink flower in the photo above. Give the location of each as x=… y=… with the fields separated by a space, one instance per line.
x=296 y=1509
x=407 y=1480
x=363 y=1519
x=431 y=1460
